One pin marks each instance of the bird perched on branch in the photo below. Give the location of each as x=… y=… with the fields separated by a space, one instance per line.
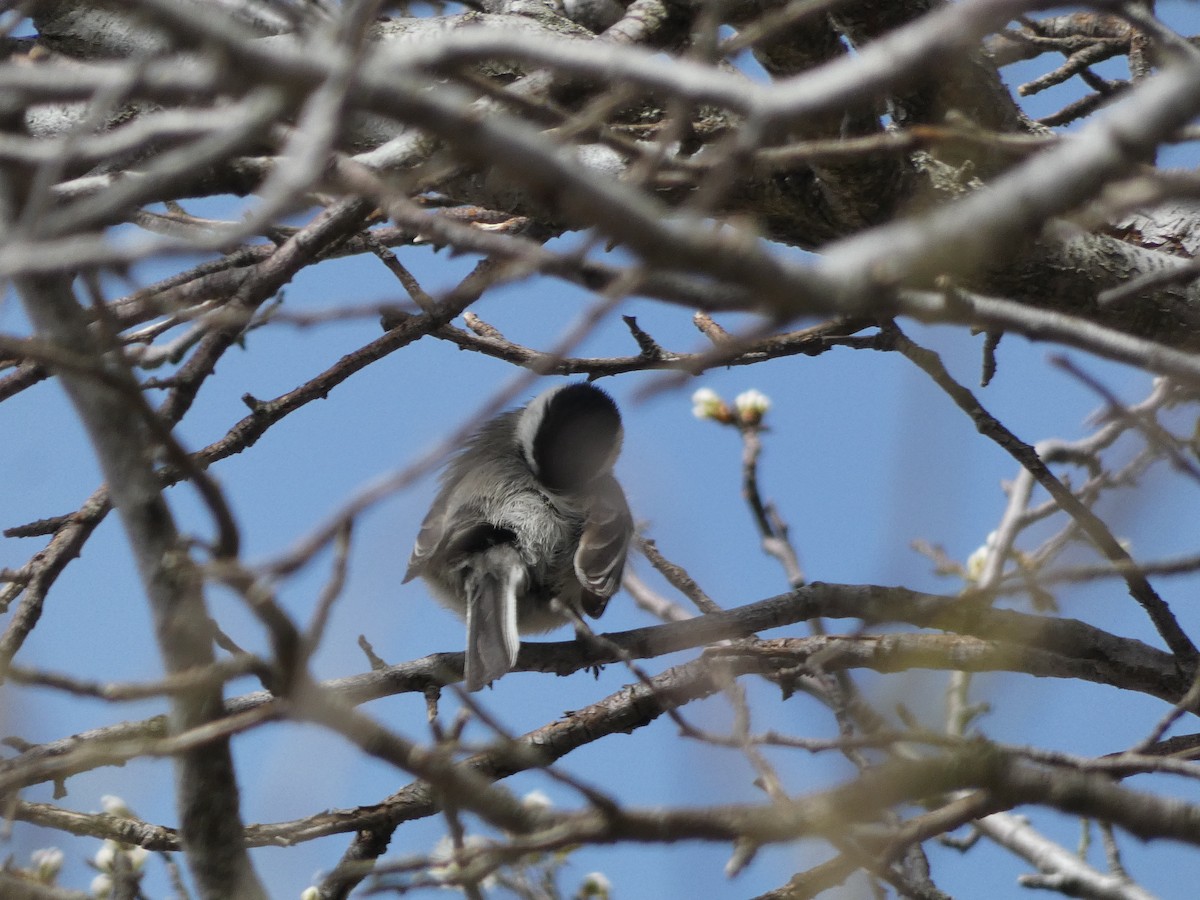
x=529 y=513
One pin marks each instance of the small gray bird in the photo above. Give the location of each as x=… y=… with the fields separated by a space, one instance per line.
x=528 y=512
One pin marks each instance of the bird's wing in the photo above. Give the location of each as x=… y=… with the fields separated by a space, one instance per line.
x=603 y=546
x=433 y=528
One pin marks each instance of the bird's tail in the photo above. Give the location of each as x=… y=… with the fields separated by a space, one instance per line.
x=492 y=639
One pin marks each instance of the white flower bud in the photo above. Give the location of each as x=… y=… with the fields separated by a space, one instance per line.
x=137 y=857
x=707 y=404
x=976 y=563
x=115 y=806
x=103 y=860
x=47 y=864
x=537 y=801
x=596 y=884
x=751 y=406
x=978 y=559
x=101 y=887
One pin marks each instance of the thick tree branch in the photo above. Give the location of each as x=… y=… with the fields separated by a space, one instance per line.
x=206 y=786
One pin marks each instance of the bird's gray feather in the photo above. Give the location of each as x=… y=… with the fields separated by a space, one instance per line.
x=492 y=640
x=498 y=546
